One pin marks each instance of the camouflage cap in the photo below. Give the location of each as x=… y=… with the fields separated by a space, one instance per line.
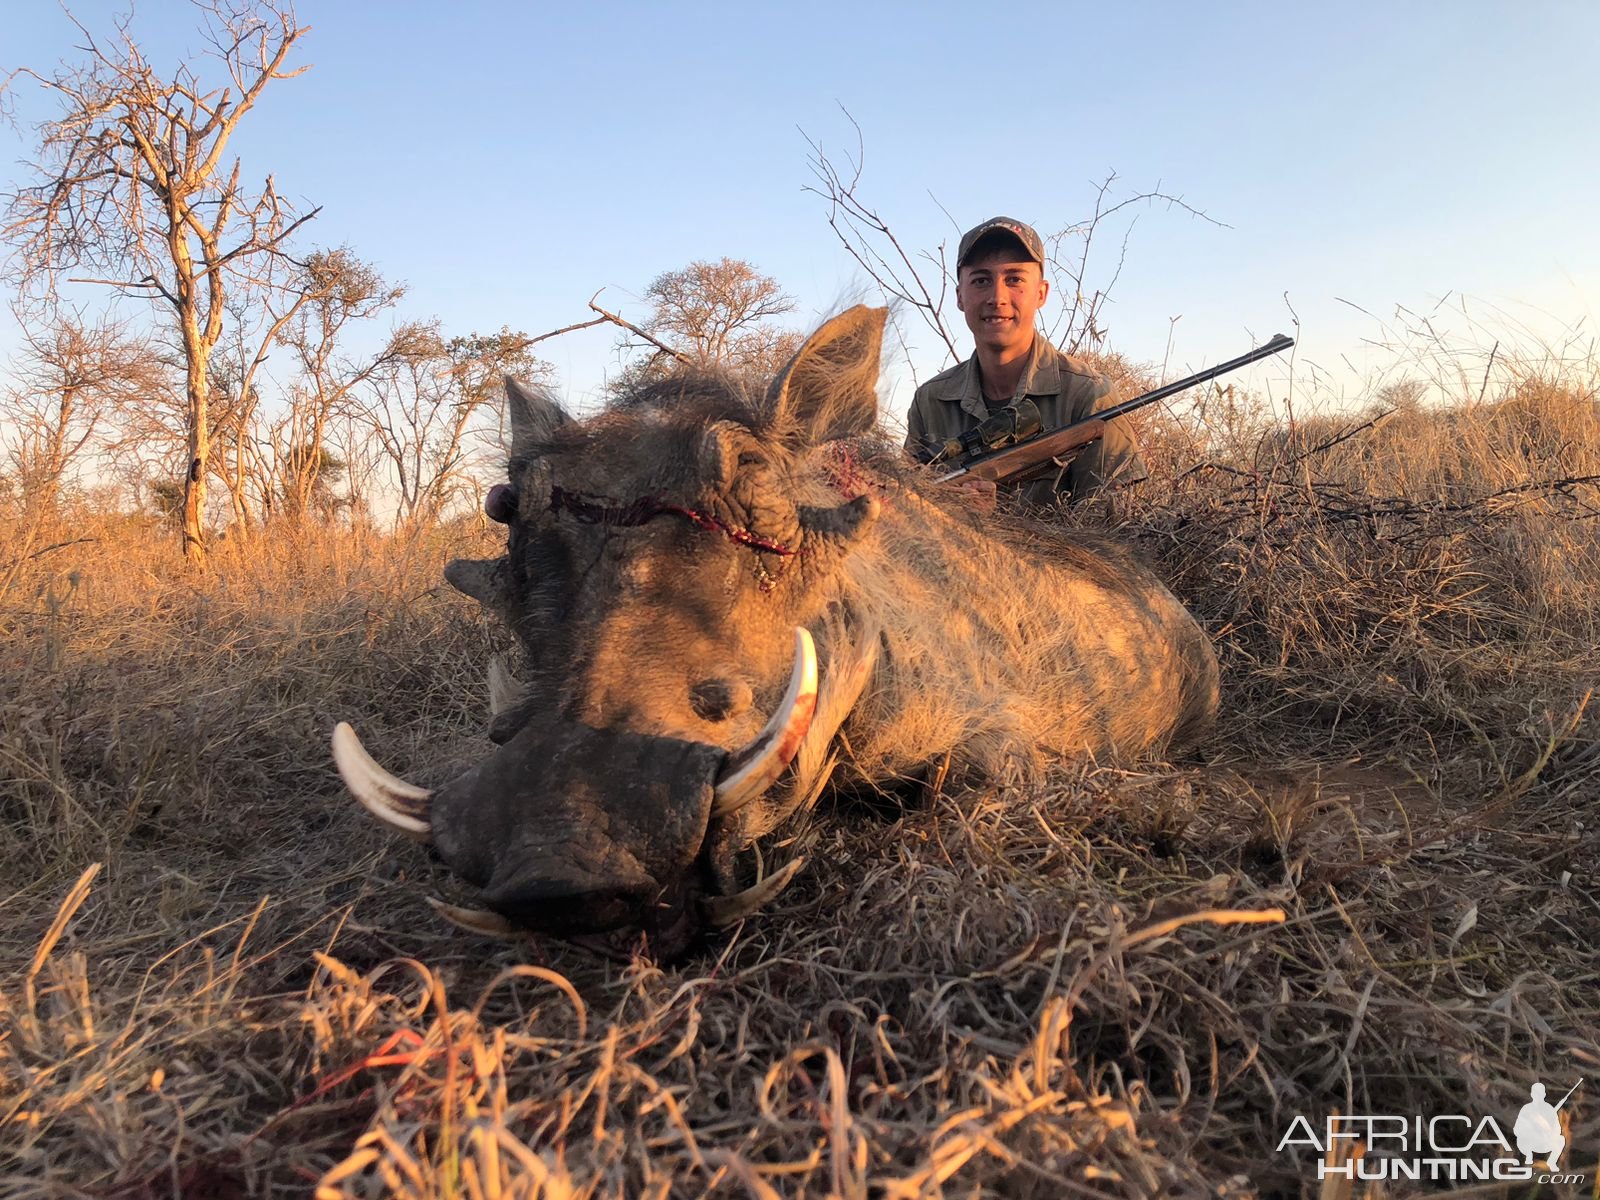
x=1023 y=233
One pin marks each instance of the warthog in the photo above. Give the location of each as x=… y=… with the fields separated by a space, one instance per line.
x=711 y=587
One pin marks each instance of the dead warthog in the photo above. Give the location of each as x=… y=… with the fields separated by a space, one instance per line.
x=709 y=587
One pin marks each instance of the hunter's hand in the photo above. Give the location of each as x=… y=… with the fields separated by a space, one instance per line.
x=979 y=495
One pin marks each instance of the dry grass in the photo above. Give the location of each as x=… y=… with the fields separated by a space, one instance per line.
x=1024 y=993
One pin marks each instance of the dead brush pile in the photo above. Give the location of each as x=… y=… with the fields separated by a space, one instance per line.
x=1076 y=988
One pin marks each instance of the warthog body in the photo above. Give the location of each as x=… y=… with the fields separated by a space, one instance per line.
x=662 y=556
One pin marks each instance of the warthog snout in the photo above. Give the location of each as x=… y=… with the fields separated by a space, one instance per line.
x=571 y=830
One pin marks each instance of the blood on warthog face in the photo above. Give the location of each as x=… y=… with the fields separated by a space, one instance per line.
x=661 y=574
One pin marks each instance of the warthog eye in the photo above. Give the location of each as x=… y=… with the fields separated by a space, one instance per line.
x=501 y=503
x=719 y=699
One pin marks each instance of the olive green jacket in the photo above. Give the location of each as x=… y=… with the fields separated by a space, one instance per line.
x=1066 y=389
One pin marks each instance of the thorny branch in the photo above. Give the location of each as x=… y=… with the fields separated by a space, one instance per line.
x=1282 y=497
x=47 y=550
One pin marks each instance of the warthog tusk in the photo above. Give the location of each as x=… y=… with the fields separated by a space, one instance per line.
x=477 y=920
x=400 y=805
x=848 y=675
x=503 y=687
x=752 y=769
x=721 y=911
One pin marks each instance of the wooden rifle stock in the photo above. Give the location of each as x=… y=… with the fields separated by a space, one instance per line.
x=1036 y=456
x=1053 y=449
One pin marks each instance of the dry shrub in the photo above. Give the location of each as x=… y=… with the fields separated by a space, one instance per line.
x=1081 y=987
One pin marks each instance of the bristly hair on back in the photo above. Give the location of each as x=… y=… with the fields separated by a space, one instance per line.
x=707 y=395
x=826 y=391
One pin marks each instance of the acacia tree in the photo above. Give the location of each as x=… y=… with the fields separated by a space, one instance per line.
x=335 y=290
x=72 y=375
x=135 y=186
x=428 y=400
x=710 y=314
x=713 y=311
x=237 y=458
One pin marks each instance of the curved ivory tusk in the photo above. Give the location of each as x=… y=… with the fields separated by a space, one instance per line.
x=752 y=769
x=400 y=805
x=503 y=687
x=848 y=676
x=721 y=911
x=477 y=920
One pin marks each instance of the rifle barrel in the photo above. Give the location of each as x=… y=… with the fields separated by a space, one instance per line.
x=1279 y=342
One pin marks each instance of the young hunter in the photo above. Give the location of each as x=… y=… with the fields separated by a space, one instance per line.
x=1000 y=287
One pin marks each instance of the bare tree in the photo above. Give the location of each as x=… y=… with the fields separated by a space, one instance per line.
x=922 y=282
x=135 y=186
x=73 y=374
x=1402 y=396
x=429 y=398
x=307 y=479
x=351 y=438
x=149 y=439
x=237 y=458
x=709 y=313
x=336 y=291
x=866 y=236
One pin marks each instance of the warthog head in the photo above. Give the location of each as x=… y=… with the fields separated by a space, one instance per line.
x=665 y=560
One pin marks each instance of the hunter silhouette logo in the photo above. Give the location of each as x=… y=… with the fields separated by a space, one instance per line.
x=1538 y=1129
x=1445 y=1147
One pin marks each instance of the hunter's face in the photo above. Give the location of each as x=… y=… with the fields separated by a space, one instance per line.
x=1000 y=294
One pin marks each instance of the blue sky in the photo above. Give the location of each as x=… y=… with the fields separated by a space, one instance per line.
x=508 y=160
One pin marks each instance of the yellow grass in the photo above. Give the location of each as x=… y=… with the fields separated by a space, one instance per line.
x=1374 y=891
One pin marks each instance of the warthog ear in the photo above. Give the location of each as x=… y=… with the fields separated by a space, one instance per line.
x=829 y=389
x=533 y=417
x=843 y=524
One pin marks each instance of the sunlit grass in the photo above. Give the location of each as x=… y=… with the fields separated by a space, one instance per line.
x=1036 y=992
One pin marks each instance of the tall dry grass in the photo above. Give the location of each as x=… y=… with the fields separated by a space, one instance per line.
x=1022 y=993
x=1401 y=569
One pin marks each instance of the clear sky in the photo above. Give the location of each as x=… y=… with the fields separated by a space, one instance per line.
x=508 y=160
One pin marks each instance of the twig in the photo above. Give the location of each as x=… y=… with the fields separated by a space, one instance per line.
x=634 y=329
x=1078 y=320
x=1210 y=916
x=1486 y=369
x=46 y=550
x=856 y=225
x=526 y=342
x=1341 y=437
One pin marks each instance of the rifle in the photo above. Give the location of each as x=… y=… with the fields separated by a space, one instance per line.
x=1011 y=448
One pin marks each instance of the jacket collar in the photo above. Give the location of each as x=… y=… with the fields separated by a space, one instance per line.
x=1041 y=376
